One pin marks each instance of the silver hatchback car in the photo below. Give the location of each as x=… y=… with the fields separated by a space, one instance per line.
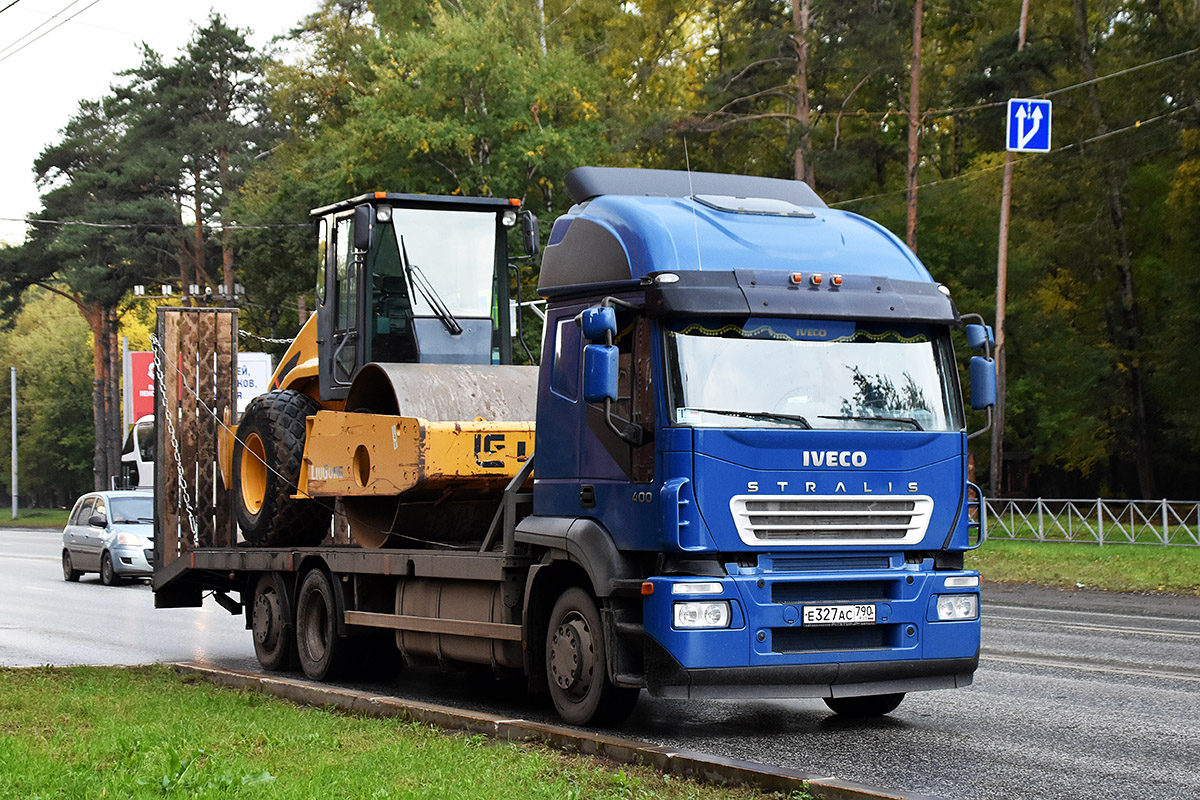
x=110 y=533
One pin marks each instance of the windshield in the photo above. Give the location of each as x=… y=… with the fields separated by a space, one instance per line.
x=454 y=250
x=131 y=509
x=819 y=374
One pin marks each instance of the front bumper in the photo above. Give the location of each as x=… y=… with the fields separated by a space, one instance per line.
x=767 y=650
x=132 y=561
x=666 y=677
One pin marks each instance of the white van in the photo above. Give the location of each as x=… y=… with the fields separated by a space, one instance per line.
x=137 y=456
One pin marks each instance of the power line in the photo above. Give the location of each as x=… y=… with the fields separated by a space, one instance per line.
x=10 y=5
x=44 y=33
x=39 y=26
x=163 y=225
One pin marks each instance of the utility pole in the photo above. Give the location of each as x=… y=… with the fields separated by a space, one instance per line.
x=914 y=126
x=997 y=457
x=14 y=442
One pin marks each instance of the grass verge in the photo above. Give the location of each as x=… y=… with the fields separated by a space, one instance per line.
x=1114 y=568
x=148 y=732
x=36 y=518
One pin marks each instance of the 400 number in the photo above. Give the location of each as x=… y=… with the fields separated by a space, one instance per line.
x=643 y=497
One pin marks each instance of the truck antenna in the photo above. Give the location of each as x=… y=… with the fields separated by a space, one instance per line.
x=692 y=194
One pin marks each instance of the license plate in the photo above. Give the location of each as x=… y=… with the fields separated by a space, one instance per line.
x=863 y=614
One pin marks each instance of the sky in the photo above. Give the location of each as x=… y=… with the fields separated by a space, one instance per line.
x=43 y=79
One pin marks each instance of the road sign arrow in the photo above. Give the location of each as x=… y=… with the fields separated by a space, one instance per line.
x=1024 y=138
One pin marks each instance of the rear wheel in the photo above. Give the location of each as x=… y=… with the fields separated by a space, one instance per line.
x=267 y=459
x=108 y=575
x=273 y=624
x=323 y=654
x=871 y=705
x=576 y=665
x=69 y=572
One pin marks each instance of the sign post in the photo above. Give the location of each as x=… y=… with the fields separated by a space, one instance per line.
x=1027 y=130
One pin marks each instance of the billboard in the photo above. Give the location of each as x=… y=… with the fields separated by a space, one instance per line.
x=254 y=373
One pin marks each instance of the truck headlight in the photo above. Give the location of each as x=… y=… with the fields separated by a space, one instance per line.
x=957 y=606
x=712 y=614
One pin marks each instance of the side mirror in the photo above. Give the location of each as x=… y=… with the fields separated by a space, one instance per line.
x=599 y=372
x=363 y=217
x=98 y=521
x=983 y=383
x=530 y=235
x=599 y=324
x=980 y=337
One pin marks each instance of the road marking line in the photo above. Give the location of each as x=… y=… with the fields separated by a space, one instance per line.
x=1050 y=662
x=38 y=588
x=1099 y=628
x=987 y=606
x=31 y=558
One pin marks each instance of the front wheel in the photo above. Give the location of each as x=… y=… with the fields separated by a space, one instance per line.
x=871 y=705
x=108 y=575
x=267 y=458
x=576 y=665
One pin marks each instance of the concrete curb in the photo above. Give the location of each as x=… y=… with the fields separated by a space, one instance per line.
x=683 y=763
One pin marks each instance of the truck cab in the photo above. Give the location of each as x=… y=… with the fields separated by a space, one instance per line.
x=755 y=399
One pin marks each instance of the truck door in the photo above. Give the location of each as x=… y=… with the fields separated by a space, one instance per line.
x=337 y=324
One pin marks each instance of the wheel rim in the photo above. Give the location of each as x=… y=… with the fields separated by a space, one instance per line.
x=106 y=569
x=253 y=473
x=68 y=569
x=572 y=656
x=267 y=612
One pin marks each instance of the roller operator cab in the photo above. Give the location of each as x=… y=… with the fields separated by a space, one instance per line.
x=753 y=401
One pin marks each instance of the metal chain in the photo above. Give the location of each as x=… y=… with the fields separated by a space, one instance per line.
x=159 y=357
x=264 y=338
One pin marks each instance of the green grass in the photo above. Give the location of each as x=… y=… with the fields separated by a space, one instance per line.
x=147 y=732
x=1113 y=567
x=34 y=517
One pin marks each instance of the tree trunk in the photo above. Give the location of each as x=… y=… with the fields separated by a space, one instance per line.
x=803 y=161
x=1127 y=330
x=914 y=126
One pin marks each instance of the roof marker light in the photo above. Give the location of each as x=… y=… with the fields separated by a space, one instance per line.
x=381 y=195
x=797 y=277
x=836 y=280
x=816 y=279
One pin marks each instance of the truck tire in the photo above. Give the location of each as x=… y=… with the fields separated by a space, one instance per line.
x=576 y=665
x=323 y=654
x=267 y=459
x=273 y=624
x=871 y=705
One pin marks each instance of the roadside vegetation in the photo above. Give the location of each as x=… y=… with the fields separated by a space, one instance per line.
x=148 y=732
x=35 y=518
x=1112 y=567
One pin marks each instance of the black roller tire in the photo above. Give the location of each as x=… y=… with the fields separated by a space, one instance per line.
x=871 y=705
x=108 y=575
x=576 y=669
x=272 y=431
x=273 y=624
x=69 y=572
x=323 y=654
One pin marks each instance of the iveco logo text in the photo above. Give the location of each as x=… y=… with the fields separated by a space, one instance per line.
x=834 y=458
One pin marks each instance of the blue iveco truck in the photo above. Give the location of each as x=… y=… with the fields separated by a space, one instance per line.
x=749 y=470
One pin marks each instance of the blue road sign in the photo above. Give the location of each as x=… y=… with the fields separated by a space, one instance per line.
x=1028 y=129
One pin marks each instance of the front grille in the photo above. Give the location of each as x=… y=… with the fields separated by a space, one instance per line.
x=831 y=519
x=840 y=592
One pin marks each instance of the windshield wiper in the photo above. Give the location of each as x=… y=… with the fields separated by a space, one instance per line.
x=765 y=416
x=905 y=420
x=417 y=278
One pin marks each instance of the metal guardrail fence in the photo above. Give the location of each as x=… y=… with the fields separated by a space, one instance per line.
x=1100 y=521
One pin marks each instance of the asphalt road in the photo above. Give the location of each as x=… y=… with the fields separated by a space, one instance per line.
x=1079 y=694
